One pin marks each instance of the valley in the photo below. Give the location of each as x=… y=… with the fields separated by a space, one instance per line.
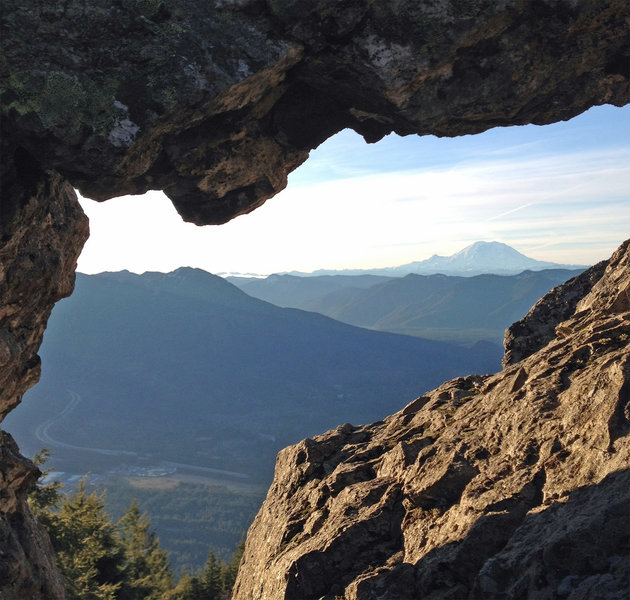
x=450 y=308
x=157 y=381
x=160 y=386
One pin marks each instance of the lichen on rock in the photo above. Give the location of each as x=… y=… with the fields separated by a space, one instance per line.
x=209 y=86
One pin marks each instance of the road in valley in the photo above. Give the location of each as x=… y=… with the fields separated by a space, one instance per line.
x=42 y=433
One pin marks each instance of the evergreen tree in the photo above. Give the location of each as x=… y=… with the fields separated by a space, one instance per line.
x=147 y=574
x=214 y=582
x=103 y=561
x=87 y=547
x=189 y=587
x=213 y=578
x=44 y=497
x=231 y=569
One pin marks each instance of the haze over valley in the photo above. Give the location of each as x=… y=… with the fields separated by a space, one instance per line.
x=443 y=298
x=183 y=378
x=156 y=381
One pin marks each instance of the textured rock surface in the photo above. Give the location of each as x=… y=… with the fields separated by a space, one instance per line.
x=538 y=327
x=215 y=101
x=27 y=565
x=42 y=230
x=515 y=485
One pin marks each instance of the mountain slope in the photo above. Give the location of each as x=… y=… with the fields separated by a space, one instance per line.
x=515 y=485
x=185 y=367
x=462 y=309
x=444 y=307
x=292 y=291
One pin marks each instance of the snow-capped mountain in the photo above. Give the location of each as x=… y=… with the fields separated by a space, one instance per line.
x=477 y=259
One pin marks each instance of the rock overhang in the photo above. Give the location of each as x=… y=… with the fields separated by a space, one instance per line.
x=216 y=102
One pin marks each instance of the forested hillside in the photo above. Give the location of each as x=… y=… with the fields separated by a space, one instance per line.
x=442 y=307
x=186 y=368
x=102 y=558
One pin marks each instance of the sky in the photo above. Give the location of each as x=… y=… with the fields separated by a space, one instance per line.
x=558 y=192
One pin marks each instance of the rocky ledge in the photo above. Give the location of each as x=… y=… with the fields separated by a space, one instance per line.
x=514 y=485
x=42 y=231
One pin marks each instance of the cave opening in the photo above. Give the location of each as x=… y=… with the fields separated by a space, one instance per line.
x=350 y=207
x=358 y=206
x=216 y=103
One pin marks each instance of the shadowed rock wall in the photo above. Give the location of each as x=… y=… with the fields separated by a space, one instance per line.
x=42 y=231
x=216 y=101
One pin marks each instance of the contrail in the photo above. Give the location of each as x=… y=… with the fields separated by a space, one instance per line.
x=509 y=212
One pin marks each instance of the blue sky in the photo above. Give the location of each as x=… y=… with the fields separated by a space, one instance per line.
x=559 y=192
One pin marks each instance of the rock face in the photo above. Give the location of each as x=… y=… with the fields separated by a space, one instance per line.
x=515 y=485
x=538 y=327
x=215 y=101
x=27 y=564
x=42 y=231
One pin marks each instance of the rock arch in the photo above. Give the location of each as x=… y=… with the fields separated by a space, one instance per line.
x=215 y=102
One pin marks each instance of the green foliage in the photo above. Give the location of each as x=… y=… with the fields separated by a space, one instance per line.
x=87 y=547
x=84 y=540
x=233 y=564
x=214 y=582
x=45 y=496
x=189 y=517
x=101 y=560
x=146 y=569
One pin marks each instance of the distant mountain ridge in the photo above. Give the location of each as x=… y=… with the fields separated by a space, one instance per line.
x=483 y=258
x=478 y=258
x=443 y=307
x=292 y=291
